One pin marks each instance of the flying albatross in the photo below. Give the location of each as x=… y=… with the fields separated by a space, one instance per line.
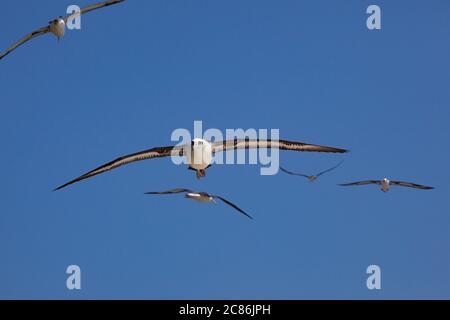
x=200 y=153
x=57 y=26
x=202 y=197
x=386 y=183
x=313 y=177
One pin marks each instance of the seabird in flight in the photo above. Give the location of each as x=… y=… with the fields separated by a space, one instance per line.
x=311 y=178
x=57 y=26
x=386 y=183
x=202 y=197
x=200 y=153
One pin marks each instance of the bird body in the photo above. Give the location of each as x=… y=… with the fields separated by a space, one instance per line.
x=58 y=27
x=385 y=184
x=200 y=156
x=200 y=197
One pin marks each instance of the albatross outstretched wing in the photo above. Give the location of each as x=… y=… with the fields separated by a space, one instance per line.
x=360 y=183
x=29 y=36
x=278 y=144
x=172 y=191
x=328 y=170
x=293 y=173
x=90 y=8
x=233 y=206
x=410 y=185
x=138 y=156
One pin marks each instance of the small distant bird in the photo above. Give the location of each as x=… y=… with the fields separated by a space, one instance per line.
x=201 y=197
x=57 y=26
x=200 y=153
x=386 y=183
x=311 y=178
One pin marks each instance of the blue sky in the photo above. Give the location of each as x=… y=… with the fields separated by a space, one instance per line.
x=139 y=70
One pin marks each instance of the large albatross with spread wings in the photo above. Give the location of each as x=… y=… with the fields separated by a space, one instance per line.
x=199 y=153
x=313 y=177
x=57 y=26
x=386 y=183
x=202 y=197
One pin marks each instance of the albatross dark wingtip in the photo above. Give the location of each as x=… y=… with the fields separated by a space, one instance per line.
x=59 y=188
x=343 y=150
x=338 y=150
x=68 y=183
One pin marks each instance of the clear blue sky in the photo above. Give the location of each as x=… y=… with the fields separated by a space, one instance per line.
x=139 y=70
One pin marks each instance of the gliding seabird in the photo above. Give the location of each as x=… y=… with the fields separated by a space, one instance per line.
x=57 y=26
x=386 y=183
x=200 y=153
x=313 y=177
x=202 y=197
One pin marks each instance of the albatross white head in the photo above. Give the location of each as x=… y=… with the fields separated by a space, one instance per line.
x=200 y=156
x=58 y=27
x=385 y=185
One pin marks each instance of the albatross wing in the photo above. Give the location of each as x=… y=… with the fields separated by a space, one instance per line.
x=138 y=156
x=360 y=183
x=293 y=173
x=29 y=36
x=278 y=144
x=90 y=8
x=410 y=185
x=172 y=191
x=328 y=170
x=233 y=206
